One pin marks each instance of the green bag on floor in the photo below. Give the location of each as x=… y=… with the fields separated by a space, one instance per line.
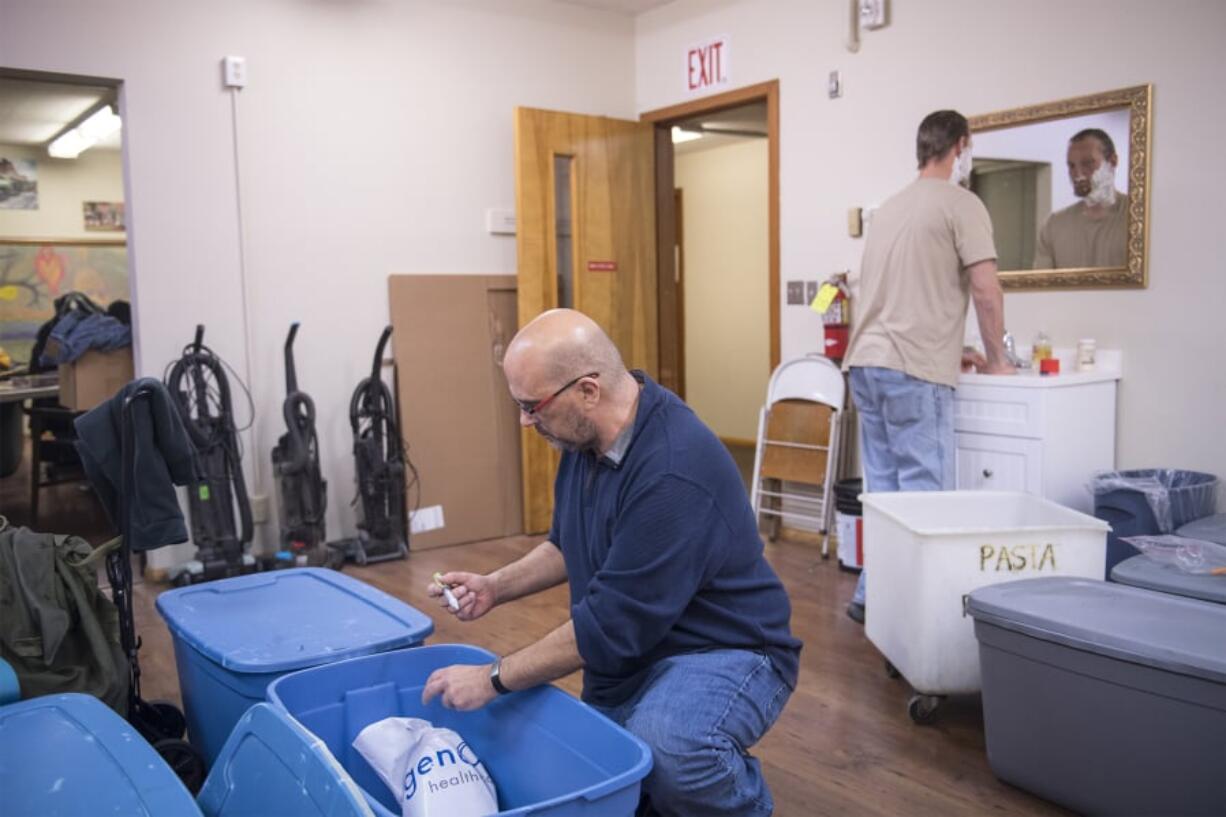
x=57 y=629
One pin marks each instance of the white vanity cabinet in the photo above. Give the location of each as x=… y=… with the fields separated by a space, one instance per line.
x=1041 y=435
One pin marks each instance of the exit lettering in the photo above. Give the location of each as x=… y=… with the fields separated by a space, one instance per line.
x=1018 y=557
x=707 y=65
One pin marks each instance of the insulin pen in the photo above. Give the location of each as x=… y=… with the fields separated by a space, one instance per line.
x=447 y=594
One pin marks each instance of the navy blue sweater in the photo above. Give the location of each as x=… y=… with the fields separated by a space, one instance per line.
x=663 y=553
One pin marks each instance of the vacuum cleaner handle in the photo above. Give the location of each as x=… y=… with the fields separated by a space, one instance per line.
x=374 y=368
x=291 y=376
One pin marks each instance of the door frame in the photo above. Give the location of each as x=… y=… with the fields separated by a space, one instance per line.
x=671 y=344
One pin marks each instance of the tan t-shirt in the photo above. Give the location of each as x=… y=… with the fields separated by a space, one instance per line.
x=1070 y=238
x=909 y=300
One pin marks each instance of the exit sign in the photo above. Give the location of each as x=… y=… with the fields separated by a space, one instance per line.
x=706 y=65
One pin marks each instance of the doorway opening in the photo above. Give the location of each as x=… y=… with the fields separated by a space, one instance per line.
x=63 y=239
x=717 y=210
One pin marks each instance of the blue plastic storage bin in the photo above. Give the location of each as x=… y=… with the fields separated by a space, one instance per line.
x=69 y=755
x=270 y=765
x=235 y=636
x=549 y=754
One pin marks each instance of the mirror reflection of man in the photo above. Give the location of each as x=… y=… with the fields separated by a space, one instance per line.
x=1094 y=231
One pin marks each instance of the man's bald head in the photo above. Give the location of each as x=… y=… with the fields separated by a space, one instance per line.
x=560 y=344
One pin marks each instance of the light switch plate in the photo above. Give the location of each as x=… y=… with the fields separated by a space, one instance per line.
x=834 y=85
x=810 y=291
x=500 y=221
x=796 y=293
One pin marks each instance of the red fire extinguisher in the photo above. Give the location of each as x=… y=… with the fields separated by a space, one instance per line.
x=836 y=319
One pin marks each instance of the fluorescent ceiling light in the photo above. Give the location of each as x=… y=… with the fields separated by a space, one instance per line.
x=681 y=135
x=100 y=124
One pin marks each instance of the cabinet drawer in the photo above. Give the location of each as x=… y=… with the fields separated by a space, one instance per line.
x=1012 y=412
x=986 y=463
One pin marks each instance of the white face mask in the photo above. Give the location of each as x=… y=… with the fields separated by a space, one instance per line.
x=1102 y=186
x=962 y=167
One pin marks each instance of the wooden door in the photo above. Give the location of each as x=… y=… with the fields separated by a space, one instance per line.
x=586 y=233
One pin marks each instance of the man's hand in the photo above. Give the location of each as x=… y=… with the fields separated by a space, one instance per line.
x=1003 y=367
x=462 y=686
x=475 y=594
x=972 y=360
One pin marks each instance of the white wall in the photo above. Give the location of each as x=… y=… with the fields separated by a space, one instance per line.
x=727 y=311
x=371 y=137
x=63 y=184
x=981 y=57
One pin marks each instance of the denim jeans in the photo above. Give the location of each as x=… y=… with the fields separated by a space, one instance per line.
x=906 y=434
x=700 y=713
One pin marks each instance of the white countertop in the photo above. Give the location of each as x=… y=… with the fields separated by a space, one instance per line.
x=1109 y=368
x=1033 y=380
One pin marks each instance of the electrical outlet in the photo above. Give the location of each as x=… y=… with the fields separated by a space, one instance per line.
x=834 y=85
x=796 y=293
x=810 y=291
x=234 y=72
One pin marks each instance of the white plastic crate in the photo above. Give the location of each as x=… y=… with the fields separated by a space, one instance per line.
x=924 y=551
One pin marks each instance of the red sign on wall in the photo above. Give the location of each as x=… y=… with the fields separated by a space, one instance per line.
x=706 y=65
x=602 y=266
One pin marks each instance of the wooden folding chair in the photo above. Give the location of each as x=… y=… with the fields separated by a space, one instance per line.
x=798 y=445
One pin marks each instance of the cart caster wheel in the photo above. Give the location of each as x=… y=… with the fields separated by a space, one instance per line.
x=891 y=671
x=171 y=722
x=184 y=761
x=922 y=708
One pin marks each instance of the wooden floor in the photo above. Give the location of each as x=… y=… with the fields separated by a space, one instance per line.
x=844 y=744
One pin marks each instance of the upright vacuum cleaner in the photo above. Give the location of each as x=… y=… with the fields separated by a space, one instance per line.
x=381 y=465
x=301 y=488
x=198 y=385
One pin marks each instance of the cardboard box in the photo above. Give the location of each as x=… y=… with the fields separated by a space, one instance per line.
x=95 y=377
x=460 y=423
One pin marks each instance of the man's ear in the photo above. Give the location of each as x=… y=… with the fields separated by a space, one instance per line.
x=590 y=389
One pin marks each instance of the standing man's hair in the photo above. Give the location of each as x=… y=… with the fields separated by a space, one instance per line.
x=939 y=132
x=1103 y=139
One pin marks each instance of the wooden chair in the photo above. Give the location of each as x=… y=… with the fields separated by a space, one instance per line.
x=798 y=445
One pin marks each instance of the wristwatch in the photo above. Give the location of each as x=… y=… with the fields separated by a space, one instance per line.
x=495 y=680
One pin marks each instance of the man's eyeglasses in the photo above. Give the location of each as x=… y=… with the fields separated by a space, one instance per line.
x=531 y=407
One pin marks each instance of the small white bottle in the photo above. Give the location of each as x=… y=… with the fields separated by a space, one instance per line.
x=1086 y=355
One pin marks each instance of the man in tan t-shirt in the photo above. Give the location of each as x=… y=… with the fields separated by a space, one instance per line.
x=1094 y=231
x=929 y=250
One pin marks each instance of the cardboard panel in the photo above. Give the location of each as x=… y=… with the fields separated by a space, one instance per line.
x=94 y=378
x=456 y=415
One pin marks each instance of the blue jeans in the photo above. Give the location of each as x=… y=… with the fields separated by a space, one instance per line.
x=906 y=434
x=700 y=713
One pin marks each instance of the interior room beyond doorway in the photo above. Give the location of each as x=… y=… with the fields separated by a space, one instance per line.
x=721 y=178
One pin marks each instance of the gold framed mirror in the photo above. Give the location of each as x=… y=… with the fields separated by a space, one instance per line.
x=1067 y=185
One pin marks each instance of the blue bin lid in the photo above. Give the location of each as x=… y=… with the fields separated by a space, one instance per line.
x=1171 y=633
x=68 y=755
x=289 y=619
x=1142 y=571
x=271 y=765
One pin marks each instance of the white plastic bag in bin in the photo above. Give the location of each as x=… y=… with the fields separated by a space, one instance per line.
x=431 y=771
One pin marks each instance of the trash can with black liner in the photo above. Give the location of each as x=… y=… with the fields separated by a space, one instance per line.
x=1149 y=501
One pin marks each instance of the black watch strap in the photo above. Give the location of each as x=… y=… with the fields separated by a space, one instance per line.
x=495 y=680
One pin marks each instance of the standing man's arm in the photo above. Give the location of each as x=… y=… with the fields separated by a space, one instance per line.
x=990 y=309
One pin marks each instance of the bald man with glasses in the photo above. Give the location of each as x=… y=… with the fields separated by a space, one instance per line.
x=678 y=622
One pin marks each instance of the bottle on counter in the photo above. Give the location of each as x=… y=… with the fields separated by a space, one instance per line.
x=1087 y=351
x=1041 y=350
